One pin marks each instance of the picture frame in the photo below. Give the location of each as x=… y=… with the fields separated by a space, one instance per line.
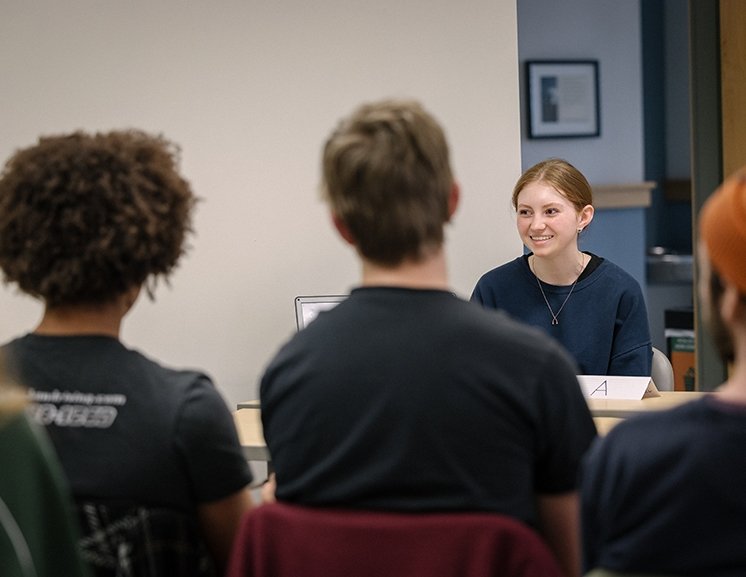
x=563 y=98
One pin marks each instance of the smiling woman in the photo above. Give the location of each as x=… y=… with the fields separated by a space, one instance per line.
x=593 y=307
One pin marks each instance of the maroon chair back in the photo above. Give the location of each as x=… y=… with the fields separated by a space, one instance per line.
x=282 y=540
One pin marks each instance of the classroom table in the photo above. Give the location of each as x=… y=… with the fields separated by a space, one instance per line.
x=250 y=434
x=606 y=414
x=623 y=408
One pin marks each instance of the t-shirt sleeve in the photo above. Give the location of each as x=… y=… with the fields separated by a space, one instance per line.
x=476 y=295
x=207 y=439
x=567 y=427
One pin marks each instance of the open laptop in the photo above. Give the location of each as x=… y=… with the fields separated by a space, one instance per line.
x=308 y=307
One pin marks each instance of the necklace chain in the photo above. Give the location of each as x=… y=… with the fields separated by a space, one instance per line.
x=555 y=320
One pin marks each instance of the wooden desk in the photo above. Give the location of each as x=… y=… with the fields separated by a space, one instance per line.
x=606 y=414
x=621 y=409
x=250 y=434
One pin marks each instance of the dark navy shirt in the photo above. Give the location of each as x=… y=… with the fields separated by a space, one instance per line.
x=603 y=324
x=665 y=493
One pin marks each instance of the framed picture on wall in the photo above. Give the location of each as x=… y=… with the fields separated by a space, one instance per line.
x=563 y=98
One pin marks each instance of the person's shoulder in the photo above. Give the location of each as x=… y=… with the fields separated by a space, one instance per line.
x=518 y=263
x=13 y=342
x=513 y=336
x=645 y=429
x=613 y=280
x=186 y=378
x=639 y=444
x=176 y=378
x=16 y=344
x=8 y=356
x=505 y=270
x=616 y=273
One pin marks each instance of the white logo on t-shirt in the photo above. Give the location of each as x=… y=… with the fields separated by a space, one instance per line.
x=75 y=409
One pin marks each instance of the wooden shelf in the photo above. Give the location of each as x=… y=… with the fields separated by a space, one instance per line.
x=631 y=195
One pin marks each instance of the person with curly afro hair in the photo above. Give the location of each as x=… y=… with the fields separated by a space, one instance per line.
x=87 y=221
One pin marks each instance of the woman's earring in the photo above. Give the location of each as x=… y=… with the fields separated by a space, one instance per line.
x=580 y=230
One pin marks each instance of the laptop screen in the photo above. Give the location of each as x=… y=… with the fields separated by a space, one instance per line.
x=307 y=307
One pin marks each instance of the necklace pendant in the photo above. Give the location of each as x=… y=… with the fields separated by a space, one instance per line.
x=555 y=321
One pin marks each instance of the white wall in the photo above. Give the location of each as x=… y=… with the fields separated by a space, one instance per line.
x=250 y=90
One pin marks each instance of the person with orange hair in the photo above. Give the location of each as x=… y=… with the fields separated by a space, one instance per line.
x=664 y=493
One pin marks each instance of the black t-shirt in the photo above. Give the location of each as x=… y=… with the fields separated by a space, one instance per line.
x=406 y=399
x=126 y=428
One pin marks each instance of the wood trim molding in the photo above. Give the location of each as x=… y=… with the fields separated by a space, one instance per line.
x=630 y=195
x=733 y=83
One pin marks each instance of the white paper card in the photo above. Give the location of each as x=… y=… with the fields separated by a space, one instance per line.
x=611 y=387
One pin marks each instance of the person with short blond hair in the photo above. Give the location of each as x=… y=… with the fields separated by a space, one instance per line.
x=387 y=159
x=404 y=397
